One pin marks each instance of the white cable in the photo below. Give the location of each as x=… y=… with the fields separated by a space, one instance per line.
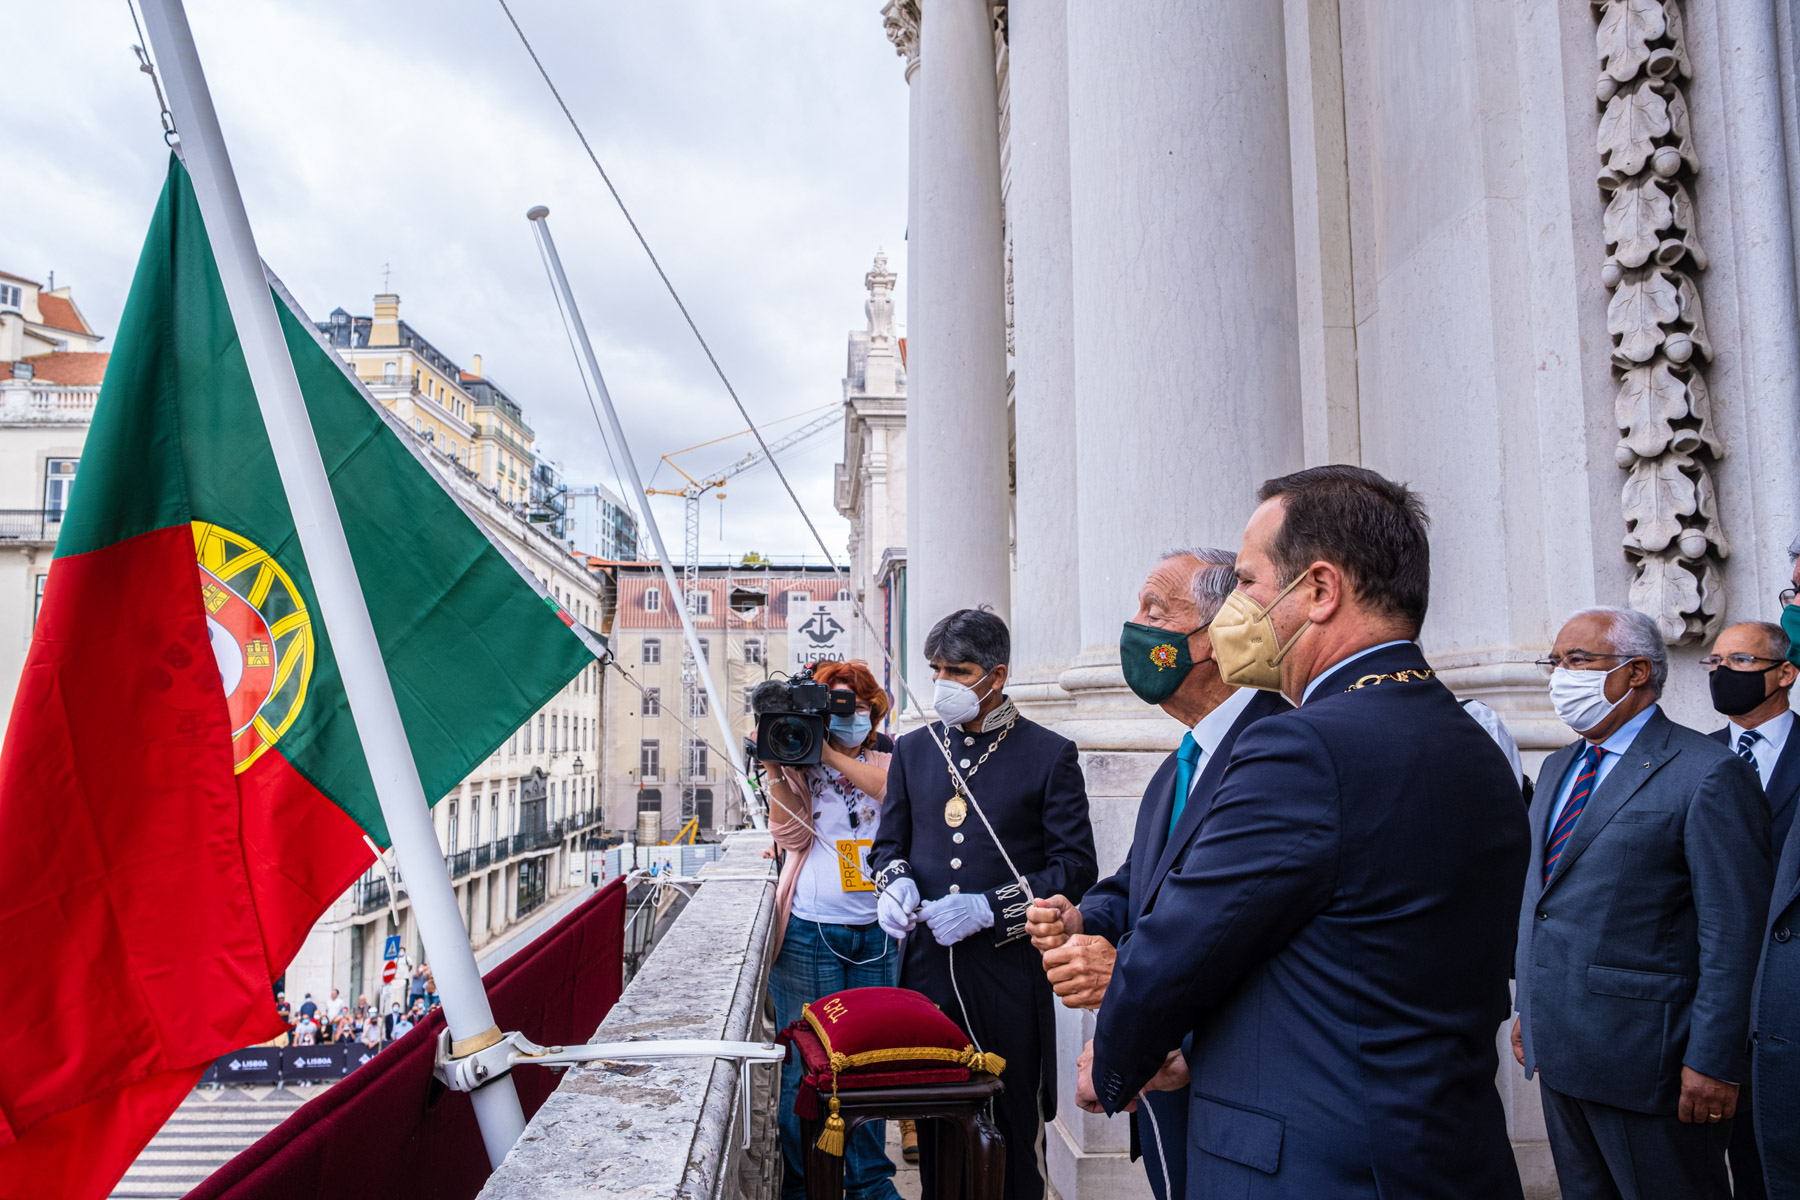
x=968 y=1022
x=1156 y=1133
x=718 y=369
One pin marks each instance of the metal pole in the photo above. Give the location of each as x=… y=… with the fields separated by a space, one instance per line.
x=340 y=597
x=566 y=299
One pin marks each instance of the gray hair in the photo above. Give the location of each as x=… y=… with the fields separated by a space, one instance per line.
x=1635 y=635
x=1213 y=582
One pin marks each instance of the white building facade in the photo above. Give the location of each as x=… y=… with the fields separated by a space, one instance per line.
x=871 y=479
x=1160 y=255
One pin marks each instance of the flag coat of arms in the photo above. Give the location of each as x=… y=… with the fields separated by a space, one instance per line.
x=182 y=787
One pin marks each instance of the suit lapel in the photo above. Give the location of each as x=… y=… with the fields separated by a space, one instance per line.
x=1201 y=794
x=1151 y=836
x=1641 y=760
x=1550 y=781
x=1784 y=780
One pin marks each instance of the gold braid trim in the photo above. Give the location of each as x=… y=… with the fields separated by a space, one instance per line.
x=968 y=1056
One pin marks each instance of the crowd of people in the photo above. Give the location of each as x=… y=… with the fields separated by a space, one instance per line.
x=1337 y=887
x=310 y=1023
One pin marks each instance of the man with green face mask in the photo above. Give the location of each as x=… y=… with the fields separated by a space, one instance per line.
x=1166 y=655
x=1335 y=944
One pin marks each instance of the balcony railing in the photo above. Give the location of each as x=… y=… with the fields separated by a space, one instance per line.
x=458 y=864
x=29 y=400
x=30 y=524
x=370 y=895
x=484 y=855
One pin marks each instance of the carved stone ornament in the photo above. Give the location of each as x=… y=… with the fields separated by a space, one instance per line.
x=1660 y=347
x=900 y=18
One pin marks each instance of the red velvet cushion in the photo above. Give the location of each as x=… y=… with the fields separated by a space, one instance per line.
x=886 y=1028
x=879 y=1037
x=816 y=1077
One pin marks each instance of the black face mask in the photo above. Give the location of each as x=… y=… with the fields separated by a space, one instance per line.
x=1735 y=693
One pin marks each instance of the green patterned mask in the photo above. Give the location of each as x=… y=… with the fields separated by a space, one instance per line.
x=1155 y=661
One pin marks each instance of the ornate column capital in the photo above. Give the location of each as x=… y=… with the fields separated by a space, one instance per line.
x=900 y=18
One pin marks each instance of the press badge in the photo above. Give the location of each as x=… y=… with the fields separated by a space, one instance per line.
x=855 y=850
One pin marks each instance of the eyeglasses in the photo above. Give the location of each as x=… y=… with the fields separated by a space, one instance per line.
x=1786 y=596
x=1574 y=660
x=1737 y=662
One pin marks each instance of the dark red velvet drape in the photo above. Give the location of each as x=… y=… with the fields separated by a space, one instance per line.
x=390 y=1129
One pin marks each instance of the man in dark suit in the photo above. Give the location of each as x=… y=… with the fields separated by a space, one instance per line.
x=1775 y=1001
x=947 y=888
x=1775 y=1040
x=1638 y=933
x=1166 y=655
x=1750 y=678
x=1335 y=941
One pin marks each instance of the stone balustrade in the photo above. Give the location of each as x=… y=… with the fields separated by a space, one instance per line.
x=650 y=1131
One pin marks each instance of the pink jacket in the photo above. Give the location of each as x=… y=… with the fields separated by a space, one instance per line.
x=794 y=834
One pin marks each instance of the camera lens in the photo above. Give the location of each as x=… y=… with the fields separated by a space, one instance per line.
x=787 y=738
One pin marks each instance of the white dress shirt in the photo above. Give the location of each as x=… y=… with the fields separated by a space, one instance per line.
x=1766 y=748
x=1214 y=726
x=1615 y=747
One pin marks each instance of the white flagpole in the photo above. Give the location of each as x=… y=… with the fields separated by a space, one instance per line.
x=340 y=596
x=540 y=224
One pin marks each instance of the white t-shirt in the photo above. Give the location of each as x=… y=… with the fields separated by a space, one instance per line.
x=840 y=813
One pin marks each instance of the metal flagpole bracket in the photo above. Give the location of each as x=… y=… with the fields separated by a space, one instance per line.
x=467 y=1072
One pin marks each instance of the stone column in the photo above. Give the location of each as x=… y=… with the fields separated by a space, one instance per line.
x=956 y=349
x=1767 y=359
x=1186 y=376
x=901 y=20
x=1187 y=373
x=1046 y=614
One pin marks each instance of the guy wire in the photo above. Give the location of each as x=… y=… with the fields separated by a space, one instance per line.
x=962 y=786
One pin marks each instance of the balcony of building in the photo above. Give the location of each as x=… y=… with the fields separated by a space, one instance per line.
x=675 y=1129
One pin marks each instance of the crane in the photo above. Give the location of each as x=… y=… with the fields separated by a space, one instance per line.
x=690 y=563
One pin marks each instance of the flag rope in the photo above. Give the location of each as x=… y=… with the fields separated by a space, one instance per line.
x=898 y=674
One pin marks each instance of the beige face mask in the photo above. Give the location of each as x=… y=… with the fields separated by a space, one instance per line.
x=1245 y=643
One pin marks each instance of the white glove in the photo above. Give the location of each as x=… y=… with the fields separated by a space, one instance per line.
x=898 y=908
x=956 y=917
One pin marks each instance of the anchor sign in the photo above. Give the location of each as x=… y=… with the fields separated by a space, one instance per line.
x=821 y=627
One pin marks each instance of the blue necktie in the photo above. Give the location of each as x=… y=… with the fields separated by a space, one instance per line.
x=1185 y=758
x=1586 y=776
x=1746 y=747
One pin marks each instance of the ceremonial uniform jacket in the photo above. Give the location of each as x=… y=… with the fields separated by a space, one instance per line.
x=1337 y=938
x=1030 y=787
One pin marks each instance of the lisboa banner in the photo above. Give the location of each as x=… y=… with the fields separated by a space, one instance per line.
x=818 y=631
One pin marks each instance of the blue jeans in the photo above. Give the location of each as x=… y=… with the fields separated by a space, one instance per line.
x=816 y=960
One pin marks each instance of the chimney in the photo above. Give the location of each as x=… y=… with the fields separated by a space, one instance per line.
x=477 y=371
x=385 y=331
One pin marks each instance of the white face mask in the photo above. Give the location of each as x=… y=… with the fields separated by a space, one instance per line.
x=955 y=702
x=1579 y=697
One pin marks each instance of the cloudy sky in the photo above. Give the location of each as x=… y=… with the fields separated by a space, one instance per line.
x=762 y=148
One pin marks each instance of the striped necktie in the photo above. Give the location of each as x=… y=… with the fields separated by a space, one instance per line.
x=1586 y=775
x=1746 y=747
x=1185 y=758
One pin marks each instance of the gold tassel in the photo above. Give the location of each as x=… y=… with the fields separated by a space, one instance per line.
x=831 y=1139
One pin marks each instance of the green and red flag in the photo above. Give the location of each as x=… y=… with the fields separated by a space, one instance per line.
x=182 y=788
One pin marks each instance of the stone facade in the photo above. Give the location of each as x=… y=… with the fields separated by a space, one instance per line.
x=1457 y=243
x=871 y=480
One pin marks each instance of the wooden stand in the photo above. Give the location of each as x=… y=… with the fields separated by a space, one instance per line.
x=970 y=1155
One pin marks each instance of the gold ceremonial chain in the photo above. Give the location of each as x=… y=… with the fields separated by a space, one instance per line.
x=1408 y=676
x=956 y=809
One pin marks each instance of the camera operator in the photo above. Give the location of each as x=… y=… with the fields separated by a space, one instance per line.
x=825 y=817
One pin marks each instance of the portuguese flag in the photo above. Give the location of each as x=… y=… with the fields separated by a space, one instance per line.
x=182 y=789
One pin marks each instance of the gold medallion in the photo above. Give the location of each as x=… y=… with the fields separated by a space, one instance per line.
x=956 y=811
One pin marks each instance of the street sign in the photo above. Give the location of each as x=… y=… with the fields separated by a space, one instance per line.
x=388 y=972
x=392 y=949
